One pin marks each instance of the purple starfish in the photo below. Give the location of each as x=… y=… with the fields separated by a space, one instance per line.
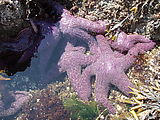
x=68 y=28
x=72 y=60
x=49 y=40
x=125 y=42
x=108 y=68
x=74 y=30
x=20 y=98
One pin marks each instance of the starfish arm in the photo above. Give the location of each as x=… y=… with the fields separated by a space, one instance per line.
x=71 y=59
x=125 y=42
x=71 y=21
x=142 y=47
x=90 y=26
x=121 y=43
x=102 y=92
x=73 y=75
x=70 y=47
x=118 y=54
x=122 y=82
x=103 y=44
x=127 y=61
x=79 y=36
x=137 y=38
x=20 y=98
x=81 y=83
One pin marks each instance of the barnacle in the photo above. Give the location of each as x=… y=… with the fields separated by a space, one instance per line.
x=156 y=16
x=44 y=105
x=144 y=102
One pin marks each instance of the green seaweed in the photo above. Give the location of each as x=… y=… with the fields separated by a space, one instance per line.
x=80 y=110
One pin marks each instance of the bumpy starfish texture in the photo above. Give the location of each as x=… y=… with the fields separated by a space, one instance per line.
x=49 y=42
x=69 y=28
x=56 y=35
x=76 y=31
x=20 y=98
x=72 y=60
x=108 y=68
x=125 y=42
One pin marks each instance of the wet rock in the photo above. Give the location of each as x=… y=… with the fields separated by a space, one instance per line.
x=12 y=18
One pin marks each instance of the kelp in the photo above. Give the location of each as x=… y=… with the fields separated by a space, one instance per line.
x=80 y=110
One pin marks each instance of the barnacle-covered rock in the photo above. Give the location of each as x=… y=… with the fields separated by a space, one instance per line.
x=147 y=68
x=12 y=19
x=153 y=29
x=144 y=103
x=44 y=105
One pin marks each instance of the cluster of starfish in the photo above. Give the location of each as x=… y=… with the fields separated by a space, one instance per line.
x=65 y=42
x=106 y=65
x=48 y=40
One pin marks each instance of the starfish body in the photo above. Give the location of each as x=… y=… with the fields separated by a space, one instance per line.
x=108 y=69
x=72 y=60
x=107 y=66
